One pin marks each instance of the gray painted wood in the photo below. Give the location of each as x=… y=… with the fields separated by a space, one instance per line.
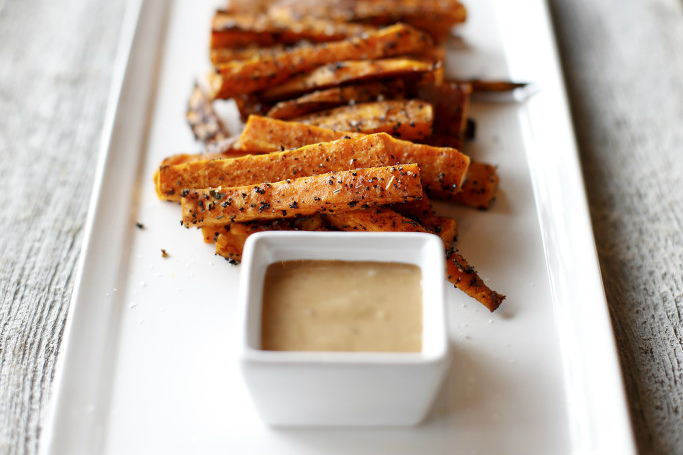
x=55 y=72
x=624 y=71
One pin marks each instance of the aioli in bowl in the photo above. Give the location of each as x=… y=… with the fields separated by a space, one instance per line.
x=347 y=306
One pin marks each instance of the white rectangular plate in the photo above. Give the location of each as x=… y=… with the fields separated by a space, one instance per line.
x=147 y=364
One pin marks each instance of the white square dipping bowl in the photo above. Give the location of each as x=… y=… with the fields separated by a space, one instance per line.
x=294 y=388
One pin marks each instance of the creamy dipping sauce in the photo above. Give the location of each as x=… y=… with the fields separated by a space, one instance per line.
x=312 y=305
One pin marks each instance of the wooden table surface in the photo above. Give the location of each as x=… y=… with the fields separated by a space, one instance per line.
x=624 y=72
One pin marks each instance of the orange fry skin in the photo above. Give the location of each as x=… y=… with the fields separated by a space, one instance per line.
x=265 y=135
x=326 y=193
x=237 y=30
x=342 y=154
x=464 y=277
x=409 y=120
x=479 y=190
x=351 y=71
x=423 y=212
x=338 y=96
x=249 y=76
x=380 y=219
x=443 y=169
x=230 y=242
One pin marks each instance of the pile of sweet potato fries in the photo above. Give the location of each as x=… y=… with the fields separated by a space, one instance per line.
x=349 y=125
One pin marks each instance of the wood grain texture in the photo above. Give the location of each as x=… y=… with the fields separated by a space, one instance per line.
x=624 y=71
x=56 y=61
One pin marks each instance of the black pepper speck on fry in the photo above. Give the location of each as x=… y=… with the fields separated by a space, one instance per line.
x=336 y=191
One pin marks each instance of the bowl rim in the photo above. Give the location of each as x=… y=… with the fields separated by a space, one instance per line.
x=324 y=243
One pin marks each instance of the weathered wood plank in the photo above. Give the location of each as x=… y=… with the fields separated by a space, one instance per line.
x=55 y=72
x=624 y=72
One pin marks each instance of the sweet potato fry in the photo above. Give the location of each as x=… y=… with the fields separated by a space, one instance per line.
x=226 y=147
x=235 y=30
x=415 y=216
x=189 y=157
x=417 y=209
x=434 y=16
x=479 y=190
x=458 y=271
x=251 y=51
x=481 y=86
x=440 y=140
x=307 y=223
x=385 y=219
x=380 y=219
x=443 y=170
x=182 y=158
x=226 y=38
x=421 y=210
x=265 y=135
x=432 y=13
x=230 y=246
x=451 y=107
x=326 y=193
x=444 y=227
x=230 y=241
x=202 y=118
x=258 y=74
x=365 y=10
x=431 y=55
x=465 y=278
x=314 y=159
x=212 y=233
x=250 y=104
x=247 y=6
x=406 y=119
x=337 y=96
x=345 y=72
x=435 y=77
